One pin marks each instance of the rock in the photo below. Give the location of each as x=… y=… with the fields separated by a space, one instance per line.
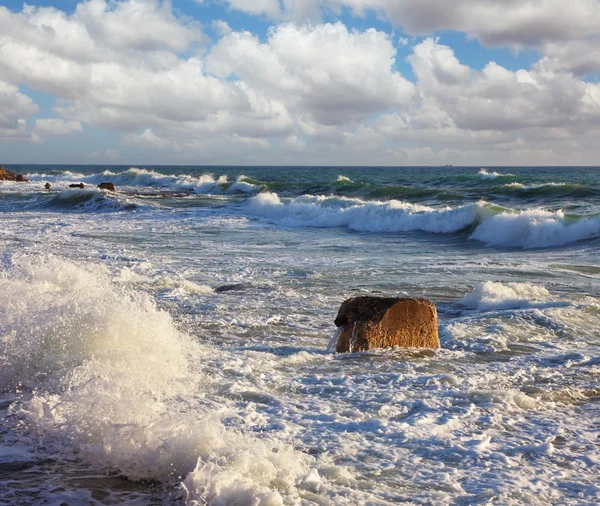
x=78 y=185
x=107 y=186
x=240 y=287
x=7 y=175
x=380 y=322
x=47 y=186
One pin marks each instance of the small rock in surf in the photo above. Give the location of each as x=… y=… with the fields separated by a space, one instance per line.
x=107 y=186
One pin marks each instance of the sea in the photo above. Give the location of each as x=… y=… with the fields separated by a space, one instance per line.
x=172 y=342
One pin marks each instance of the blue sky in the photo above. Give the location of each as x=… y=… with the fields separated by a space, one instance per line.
x=141 y=82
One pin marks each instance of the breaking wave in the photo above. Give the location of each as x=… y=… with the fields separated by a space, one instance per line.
x=536 y=228
x=362 y=216
x=91 y=201
x=492 y=225
x=484 y=174
x=135 y=177
x=113 y=381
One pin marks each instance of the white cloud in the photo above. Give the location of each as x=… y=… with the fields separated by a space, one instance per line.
x=326 y=71
x=307 y=93
x=15 y=108
x=499 y=99
x=545 y=25
x=51 y=127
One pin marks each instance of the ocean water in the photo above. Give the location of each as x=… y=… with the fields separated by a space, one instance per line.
x=129 y=375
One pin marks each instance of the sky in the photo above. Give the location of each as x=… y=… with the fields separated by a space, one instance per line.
x=300 y=82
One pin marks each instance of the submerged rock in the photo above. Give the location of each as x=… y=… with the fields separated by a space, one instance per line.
x=240 y=287
x=380 y=322
x=107 y=186
x=7 y=175
x=78 y=185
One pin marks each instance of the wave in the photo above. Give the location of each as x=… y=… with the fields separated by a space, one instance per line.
x=490 y=295
x=91 y=201
x=546 y=190
x=362 y=216
x=536 y=228
x=484 y=174
x=202 y=184
x=114 y=382
x=492 y=225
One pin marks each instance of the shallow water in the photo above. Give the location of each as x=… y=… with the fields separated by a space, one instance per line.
x=128 y=377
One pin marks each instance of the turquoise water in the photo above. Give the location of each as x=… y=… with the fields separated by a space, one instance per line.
x=129 y=378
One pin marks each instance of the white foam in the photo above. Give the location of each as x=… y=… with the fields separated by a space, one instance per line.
x=535 y=228
x=344 y=179
x=490 y=295
x=363 y=216
x=484 y=174
x=117 y=383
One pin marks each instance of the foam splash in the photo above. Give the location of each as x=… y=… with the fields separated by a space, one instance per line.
x=490 y=295
x=116 y=383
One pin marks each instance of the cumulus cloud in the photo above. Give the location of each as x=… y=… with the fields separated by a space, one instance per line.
x=326 y=71
x=544 y=25
x=306 y=92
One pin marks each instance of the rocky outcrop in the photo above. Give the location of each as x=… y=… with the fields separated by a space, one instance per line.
x=7 y=175
x=78 y=185
x=380 y=322
x=107 y=186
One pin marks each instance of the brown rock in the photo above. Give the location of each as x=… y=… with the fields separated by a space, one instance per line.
x=7 y=175
x=78 y=185
x=380 y=322
x=47 y=186
x=107 y=186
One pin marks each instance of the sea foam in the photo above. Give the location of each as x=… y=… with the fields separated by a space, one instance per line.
x=490 y=295
x=115 y=382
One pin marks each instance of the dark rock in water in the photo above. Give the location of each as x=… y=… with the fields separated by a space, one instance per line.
x=47 y=186
x=231 y=288
x=107 y=186
x=7 y=175
x=79 y=185
x=380 y=322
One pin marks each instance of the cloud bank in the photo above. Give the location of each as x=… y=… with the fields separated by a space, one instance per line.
x=308 y=91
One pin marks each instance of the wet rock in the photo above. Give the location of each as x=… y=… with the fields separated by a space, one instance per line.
x=7 y=175
x=380 y=322
x=107 y=186
x=78 y=185
x=47 y=186
x=240 y=287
